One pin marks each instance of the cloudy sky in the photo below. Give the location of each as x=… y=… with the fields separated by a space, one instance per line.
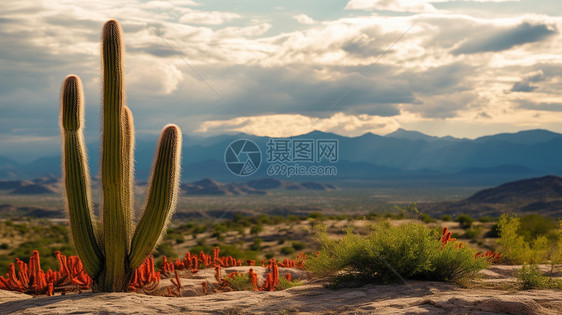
x=464 y=68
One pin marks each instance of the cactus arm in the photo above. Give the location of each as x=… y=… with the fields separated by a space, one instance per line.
x=128 y=160
x=116 y=207
x=162 y=195
x=76 y=176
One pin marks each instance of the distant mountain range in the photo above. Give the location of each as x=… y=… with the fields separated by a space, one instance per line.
x=534 y=195
x=403 y=155
x=207 y=186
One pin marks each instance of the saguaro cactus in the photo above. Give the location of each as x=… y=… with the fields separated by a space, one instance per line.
x=111 y=248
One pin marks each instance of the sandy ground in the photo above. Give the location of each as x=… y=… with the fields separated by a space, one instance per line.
x=493 y=294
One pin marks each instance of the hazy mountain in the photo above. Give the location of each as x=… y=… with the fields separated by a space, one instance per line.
x=416 y=135
x=400 y=155
x=208 y=186
x=541 y=195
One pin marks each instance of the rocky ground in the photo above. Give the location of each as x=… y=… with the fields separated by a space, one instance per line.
x=494 y=293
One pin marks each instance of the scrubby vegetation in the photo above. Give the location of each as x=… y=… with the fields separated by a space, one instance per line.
x=380 y=248
x=530 y=277
x=388 y=253
x=531 y=239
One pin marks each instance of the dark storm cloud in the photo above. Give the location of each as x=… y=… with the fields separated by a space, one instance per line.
x=523 y=87
x=294 y=90
x=547 y=107
x=445 y=79
x=526 y=84
x=505 y=39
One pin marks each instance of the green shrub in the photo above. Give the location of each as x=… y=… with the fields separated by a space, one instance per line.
x=240 y=282
x=535 y=225
x=287 y=250
x=530 y=277
x=284 y=284
x=297 y=245
x=464 y=220
x=472 y=233
x=494 y=231
x=390 y=253
x=512 y=246
x=426 y=218
x=515 y=249
x=446 y=218
x=256 y=245
x=256 y=229
x=165 y=249
x=485 y=219
x=453 y=264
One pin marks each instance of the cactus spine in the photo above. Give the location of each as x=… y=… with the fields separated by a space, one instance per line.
x=109 y=249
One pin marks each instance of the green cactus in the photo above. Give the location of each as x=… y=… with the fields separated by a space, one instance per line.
x=109 y=249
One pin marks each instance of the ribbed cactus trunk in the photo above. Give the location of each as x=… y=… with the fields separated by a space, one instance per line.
x=115 y=163
x=109 y=250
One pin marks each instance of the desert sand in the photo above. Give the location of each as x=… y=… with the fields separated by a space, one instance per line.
x=494 y=293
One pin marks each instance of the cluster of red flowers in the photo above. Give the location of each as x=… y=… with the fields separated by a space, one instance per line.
x=32 y=279
x=294 y=263
x=492 y=257
x=446 y=238
x=270 y=283
x=145 y=277
x=71 y=274
x=194 y=262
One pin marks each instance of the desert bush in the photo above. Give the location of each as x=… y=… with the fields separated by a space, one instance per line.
x=240 y=282
x=286 y=284
x=165 y=249
x=516 y=249
x=391 y=253
x=485 y=219
x=426 y=218
x=446 y=218
x=535 y=225
x=256 y=229
x=472 y=233
x=530 y=277
x=287 y=250
x=464 y=220
x=512 y=246
x=256 y=244
x=453 y=264
x=298 y=245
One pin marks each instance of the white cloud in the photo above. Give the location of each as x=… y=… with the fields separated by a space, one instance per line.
x=391 y=5
x=207 y=17
x=404 y=5
x=287 y=125
x=291 y=77
x=304 y=19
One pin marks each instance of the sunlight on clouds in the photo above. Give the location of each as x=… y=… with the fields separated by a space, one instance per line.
x=207 y=17
x=169 y=4
x=304 y=19
x=451 y=67
x=150 y=76
x=287 y=125
x=391 y=5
